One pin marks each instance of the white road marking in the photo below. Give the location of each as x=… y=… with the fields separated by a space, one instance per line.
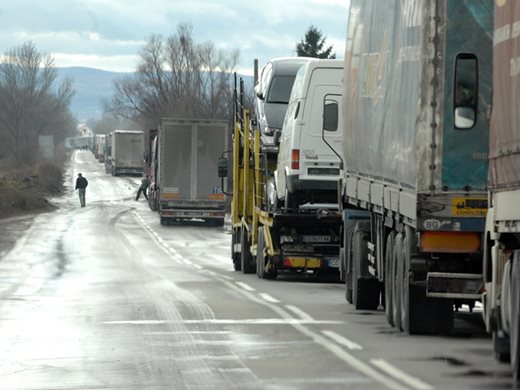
x=184 y=332
x=332 y=347
x=246 y=321
x=400 y=375
x=341 y=340
x=269 y=298
x=300 y=325
x=299 y=312
x=245 y=286
x=197 y=266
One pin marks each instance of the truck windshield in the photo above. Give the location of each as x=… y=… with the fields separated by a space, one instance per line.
x=280 y=89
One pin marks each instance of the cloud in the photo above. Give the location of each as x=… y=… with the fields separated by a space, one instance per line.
x=109 y=29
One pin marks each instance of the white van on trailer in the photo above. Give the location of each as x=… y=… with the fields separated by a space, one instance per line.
x=308 y=167
x=272 y=92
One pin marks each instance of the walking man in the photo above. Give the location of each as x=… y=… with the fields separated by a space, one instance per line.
x=81 y=185
x=145 y=183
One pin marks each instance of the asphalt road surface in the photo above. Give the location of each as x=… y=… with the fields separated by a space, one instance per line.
x=104 y=297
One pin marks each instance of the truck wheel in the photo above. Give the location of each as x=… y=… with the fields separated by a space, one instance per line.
x=389 y=257
x=261 y=262
x=347 y=258
x=152 y=201
x=408 y=323
x=246 y=260
x=418 y=313
x=260 y=259
x=235 y=256
x=365 y=290
x=514 y=335
x=396 y=288
x=501 y=348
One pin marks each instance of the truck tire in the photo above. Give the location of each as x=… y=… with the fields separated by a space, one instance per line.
x=348 y=230
x=396 y=288
x=419 y=314
x=501 y=347
x=246 y=259
x=365 y=290
x=514 y=334
x=260 y=258
x=235 y=256
x=408 y=322
x=505 y=298
x=389 y=257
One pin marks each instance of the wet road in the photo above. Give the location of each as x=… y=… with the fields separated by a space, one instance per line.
x=104 y=297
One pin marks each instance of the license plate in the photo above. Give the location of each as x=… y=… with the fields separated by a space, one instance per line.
x=316 y=238
x=333 y=263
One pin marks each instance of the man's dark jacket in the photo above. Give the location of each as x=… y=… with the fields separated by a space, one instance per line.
x=81 y=182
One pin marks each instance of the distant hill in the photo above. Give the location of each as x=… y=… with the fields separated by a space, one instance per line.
x=92 y=86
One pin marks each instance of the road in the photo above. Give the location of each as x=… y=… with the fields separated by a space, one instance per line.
x=104 y=297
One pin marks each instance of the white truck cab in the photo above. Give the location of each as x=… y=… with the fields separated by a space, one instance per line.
x=308 y=168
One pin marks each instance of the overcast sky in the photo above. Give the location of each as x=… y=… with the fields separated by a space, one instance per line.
x=107 y=34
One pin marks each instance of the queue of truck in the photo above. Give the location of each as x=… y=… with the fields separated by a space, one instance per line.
x=396 y=168
x=417 y=226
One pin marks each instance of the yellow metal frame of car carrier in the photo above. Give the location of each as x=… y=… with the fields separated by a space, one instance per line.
x=249 y=180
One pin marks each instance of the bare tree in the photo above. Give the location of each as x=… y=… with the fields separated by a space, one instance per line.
x=30 y=102
x=176 y=77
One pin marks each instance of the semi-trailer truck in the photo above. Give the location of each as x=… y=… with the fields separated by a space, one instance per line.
x=501 y=299
x=184 y=183
x=126 y=152
x=416 y=105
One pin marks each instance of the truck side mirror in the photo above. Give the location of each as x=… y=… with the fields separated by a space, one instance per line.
x=465 y=91
x=222 y=167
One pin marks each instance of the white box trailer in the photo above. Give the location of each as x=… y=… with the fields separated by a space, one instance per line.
x=127 y=152
x=187 y=185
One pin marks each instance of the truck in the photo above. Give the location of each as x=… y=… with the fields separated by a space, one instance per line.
x=108 y=152
x=126 y=152
x=501 y=297
x=267 y=240
x=184 y=185
x=99 y=147
x=416 y=105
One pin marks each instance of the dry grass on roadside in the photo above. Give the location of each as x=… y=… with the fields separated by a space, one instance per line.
x=25 y=189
